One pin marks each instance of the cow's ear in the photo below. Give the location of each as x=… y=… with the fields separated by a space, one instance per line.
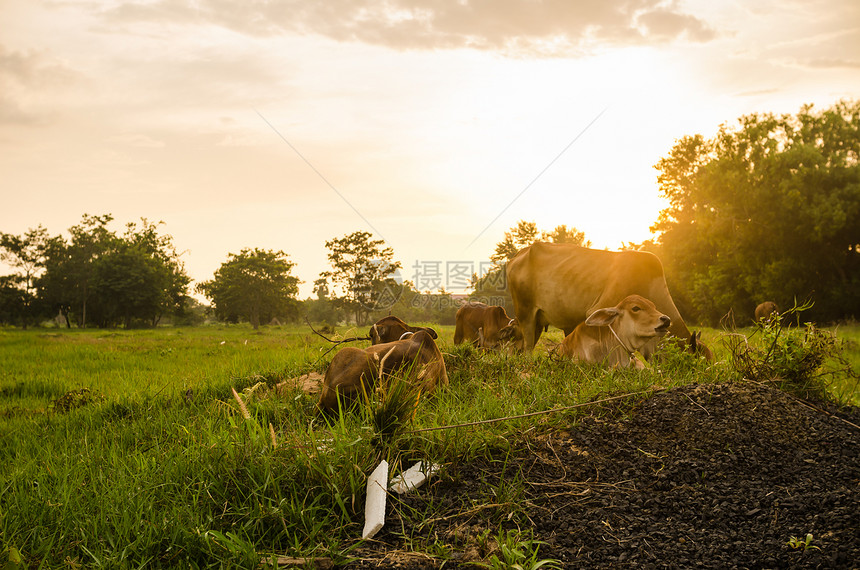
x=602 y=317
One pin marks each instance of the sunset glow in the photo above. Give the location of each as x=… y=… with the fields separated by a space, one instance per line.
x=282 y=125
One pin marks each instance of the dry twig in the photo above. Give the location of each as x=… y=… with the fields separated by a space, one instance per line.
x=334 y=342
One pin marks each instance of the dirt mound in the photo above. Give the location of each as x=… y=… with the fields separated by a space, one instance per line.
x=308 y=383
x=704 y=476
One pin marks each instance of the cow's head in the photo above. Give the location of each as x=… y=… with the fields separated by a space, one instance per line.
x=389 y=329
x=696 y=346
x=635 y=321
x=511 y=336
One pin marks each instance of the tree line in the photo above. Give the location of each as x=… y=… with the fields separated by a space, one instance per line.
x=101 y=278
x=767 y=209
x=97 y=277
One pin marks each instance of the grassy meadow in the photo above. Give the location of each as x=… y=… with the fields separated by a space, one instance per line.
x=128 y=449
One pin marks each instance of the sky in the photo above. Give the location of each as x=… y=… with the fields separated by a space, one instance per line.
x=436 y=125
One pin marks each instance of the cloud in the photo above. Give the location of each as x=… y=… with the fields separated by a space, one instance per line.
x=757 y=92
x=136 y=140
x=668 y=25
x=26 y=77
x=544 y=27
x=827 y=63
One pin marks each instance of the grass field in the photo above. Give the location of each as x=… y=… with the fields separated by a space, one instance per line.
x=128 y=449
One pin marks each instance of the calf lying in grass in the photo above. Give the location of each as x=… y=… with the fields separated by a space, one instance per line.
x=415 y=359
x=612 y=335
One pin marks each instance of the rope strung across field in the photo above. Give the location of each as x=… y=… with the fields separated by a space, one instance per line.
x=544 y=412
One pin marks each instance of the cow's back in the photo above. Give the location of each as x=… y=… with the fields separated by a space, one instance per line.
x=344 y=376
x=469 y=318
x=765 y=310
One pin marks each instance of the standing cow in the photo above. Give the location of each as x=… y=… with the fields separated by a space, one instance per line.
x=561 y=284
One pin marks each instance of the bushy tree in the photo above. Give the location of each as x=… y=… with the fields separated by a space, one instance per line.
x=363 y=272
x=526 y=233
x=14 y=300
x=254 y=285
x=768 y=209
x=108 y=279
x=67 y=284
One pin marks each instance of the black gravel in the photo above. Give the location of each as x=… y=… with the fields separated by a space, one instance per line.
x=704 y=476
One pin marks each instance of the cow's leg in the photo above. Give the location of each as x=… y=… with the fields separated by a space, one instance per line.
x=540 y=324
x=529 y=325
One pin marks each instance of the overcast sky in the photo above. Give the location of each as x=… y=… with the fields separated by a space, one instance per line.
x=434 y=124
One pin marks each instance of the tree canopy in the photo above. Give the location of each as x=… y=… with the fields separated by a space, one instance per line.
x=768 y=209
x=526 y=233
x=255 y=285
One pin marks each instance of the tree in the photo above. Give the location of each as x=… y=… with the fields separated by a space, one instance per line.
x=768 y=209
x=26 y=253
x=169 y=282
x=13 y=300
x=365 y=273
x=526 y=233
x=254 y=284
x=561 y=234
x=66 y=285
x=522 y=235
x=322 y=309
x=113 y=280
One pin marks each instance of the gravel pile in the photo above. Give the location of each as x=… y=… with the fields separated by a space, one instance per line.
x=703 y=476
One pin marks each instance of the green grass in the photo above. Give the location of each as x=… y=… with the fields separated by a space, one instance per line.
x=145 y=473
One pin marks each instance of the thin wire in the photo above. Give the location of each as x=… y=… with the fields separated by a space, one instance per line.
x=541 y=413
x=318 y=173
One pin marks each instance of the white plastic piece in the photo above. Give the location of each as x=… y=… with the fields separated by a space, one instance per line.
x=413 y=477
x=374 y=505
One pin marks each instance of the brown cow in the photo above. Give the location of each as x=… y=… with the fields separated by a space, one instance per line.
x=765 y=310
x=353 y=369
x=389 y=329
x=511 y=336
x=561 y=284
x=612 y=335
x=485 y=326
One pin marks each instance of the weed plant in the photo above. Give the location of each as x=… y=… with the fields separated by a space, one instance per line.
x=182 y=452
x=803 y=360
